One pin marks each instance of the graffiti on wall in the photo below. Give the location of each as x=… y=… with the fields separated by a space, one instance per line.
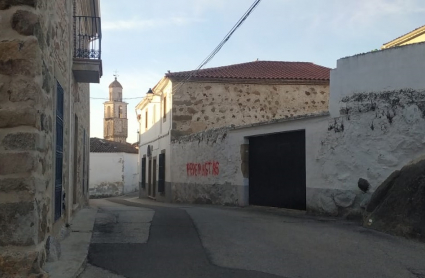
x=209 y=168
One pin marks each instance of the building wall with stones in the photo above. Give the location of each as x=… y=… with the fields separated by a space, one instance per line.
x=36 y=41
x=199 y=106
x=203 y=112
x=377 y=126
x=115 y=123
x=212 y=167
x=204 y=115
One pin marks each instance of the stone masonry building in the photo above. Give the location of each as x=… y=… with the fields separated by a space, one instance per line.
x=115 y=123
x=191 y=151
x=49 y=52
x=291 y=135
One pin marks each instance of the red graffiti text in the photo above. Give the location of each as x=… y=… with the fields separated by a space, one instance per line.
x=210 y=168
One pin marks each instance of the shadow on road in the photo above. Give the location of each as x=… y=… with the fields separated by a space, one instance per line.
x=174 y=249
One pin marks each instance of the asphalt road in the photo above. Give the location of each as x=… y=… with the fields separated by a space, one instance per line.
x=135 y=238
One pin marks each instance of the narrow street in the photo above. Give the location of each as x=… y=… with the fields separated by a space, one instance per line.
x=142 y=238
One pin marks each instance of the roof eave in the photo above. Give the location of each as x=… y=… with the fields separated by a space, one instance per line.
x=404 y=38
x=252 y=80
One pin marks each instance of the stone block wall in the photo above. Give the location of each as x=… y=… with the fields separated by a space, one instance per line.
x=376 y=134
x=115 y=129
x=35 y=53
x=81 y=108
x=199 y=106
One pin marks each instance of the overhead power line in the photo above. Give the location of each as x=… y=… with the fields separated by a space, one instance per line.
x=227 y=37
x=221 y=44
x=214 y=52
x=101 y=98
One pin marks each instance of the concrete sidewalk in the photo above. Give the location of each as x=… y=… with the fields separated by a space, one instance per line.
x=74 y=248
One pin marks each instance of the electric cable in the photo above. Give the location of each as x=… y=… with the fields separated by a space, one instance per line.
x=220 y=45
x=213 y=53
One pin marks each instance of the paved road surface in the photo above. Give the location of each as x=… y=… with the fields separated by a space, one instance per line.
x=149 y=239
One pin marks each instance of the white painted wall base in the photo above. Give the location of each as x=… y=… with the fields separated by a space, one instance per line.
x=112 y=174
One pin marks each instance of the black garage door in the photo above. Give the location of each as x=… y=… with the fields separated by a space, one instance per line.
x=277 y=174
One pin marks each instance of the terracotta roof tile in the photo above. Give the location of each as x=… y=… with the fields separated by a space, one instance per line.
x=261 y=70
x=105 y=146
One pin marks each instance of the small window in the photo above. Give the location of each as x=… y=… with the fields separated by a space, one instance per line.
x=164 y=109
x=154 y=115
x=146 y=119
x=121 y=115
x=108 y=114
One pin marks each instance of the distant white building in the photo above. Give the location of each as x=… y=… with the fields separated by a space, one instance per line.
x=113 y=168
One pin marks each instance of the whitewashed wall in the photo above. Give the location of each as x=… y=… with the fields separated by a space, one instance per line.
x=205 y=169
x=377 y=104
x=131 y=173
x=112 y=174
x=377 y=125
x=223 y=148
x=389 y=69
x=157 y=135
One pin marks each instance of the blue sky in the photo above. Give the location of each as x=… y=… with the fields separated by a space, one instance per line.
x=144 y=39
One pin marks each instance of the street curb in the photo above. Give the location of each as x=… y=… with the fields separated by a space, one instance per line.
x=75 y=247
x=81 y=269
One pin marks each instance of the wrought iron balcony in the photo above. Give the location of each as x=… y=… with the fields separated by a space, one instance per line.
x=87 y=65
x=88 y=37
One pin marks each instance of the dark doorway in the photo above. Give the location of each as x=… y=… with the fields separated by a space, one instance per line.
x=150 y=177
x=161 y=173
x=143 y=185
x=277 y=170
x=154 y=178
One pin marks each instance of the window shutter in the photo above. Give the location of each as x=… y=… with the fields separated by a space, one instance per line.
x=144 y=172
x=161 y=174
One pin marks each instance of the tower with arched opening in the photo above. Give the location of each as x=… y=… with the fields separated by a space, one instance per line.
x=115 y=123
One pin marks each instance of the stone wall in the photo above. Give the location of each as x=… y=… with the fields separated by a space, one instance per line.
x=376 y=134
x=377 y=126
x=199 y=106
x=35 y=53
x=115 y=129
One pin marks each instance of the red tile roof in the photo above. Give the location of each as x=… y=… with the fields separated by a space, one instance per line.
x=98 y=145
x=260 y=70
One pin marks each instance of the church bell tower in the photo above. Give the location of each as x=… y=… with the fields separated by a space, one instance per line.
x=115 y=123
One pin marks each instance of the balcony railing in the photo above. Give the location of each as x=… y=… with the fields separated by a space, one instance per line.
x=88 y=37
x=87 y=62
